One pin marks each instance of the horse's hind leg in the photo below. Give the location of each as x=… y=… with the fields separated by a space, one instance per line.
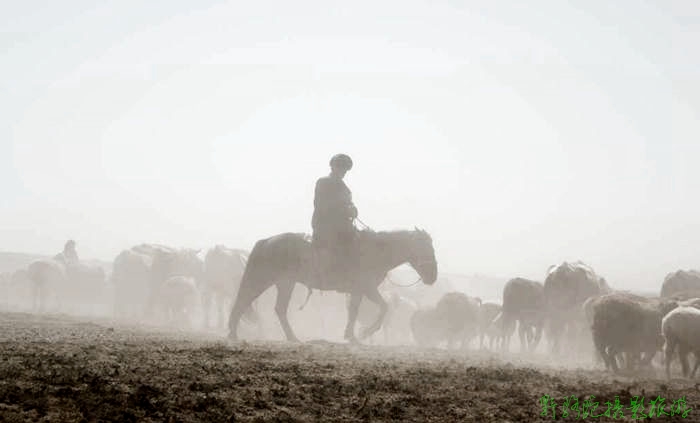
x=247 y=293
x=353 y=309
x=284 y=295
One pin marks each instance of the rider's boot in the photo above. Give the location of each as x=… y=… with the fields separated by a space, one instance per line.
x=325 y=267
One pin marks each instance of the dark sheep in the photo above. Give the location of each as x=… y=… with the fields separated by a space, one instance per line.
x=623 y=323
x=523 y=302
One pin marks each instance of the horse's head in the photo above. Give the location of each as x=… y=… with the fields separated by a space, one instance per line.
x=422 y=256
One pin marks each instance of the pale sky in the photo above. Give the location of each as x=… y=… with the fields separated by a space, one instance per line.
x=518 y=134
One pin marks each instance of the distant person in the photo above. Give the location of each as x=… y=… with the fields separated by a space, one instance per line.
x=69 y=255
x=334 y=213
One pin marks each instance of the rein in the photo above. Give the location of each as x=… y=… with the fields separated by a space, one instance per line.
x=388 y=278
x=391 y=281
x=365 y=226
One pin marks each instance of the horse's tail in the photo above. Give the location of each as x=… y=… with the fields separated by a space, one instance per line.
x=308 y=295
x=251 y=314
x=253 y=262
x=252 y=266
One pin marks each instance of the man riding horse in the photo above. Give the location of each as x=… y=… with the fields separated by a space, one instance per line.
x=334 y=233
x=69 y=256
x=339 y=258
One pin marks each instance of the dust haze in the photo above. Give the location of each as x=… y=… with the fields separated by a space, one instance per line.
x=542 y=156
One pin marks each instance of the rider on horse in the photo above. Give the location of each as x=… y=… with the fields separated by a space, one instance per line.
x=334 y=212
x=69 y=256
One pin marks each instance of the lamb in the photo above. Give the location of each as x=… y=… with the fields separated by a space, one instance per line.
x=459 y=315
x=680 y=329
x=488 y=312
x=454 y=318
x=179 y=301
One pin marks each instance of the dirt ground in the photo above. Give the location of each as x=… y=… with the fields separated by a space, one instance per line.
x=58 y=368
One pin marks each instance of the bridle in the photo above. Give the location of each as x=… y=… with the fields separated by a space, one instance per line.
x=364 y=225
x=420 y=278
x=391 y=281
x=418 y=264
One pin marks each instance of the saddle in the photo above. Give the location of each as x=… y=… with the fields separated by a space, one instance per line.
x=325 y=271
x=333 y=267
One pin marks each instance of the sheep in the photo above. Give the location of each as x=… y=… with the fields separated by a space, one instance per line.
x=504 y=330
x=588 y=311
x=680 y=281
x=524 y=303
x=455 y=318
x=487 y=314
x=566 y=288
x=628 y=324
x=179 y=301
x=680 y=328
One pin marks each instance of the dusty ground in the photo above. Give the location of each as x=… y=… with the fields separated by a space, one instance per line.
x=56 y=368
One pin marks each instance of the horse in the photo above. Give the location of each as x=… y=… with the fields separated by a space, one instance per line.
x=289 y=258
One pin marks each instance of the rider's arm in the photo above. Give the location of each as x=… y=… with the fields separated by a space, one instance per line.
x=327 y=200
x=349 y=206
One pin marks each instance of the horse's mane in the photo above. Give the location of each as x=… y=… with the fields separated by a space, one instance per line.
x=372 y=235
x=394 y=234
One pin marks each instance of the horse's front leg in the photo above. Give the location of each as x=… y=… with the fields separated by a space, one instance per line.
x=353 y=309
x=376 y=298
x=284 y=295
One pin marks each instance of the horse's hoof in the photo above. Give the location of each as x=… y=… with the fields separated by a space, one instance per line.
x=350 y=337
x=365 y=333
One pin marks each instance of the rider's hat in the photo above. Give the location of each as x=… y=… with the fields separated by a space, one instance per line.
x=341 y=161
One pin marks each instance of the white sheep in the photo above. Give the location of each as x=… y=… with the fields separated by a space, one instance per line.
x=680 y=327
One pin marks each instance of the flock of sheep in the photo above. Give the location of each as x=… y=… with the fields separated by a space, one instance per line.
x=576 y=309
x=579 y=313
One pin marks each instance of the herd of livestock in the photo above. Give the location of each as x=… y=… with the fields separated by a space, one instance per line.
x=574 y=308
x=581 y=315
x=148 y=280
